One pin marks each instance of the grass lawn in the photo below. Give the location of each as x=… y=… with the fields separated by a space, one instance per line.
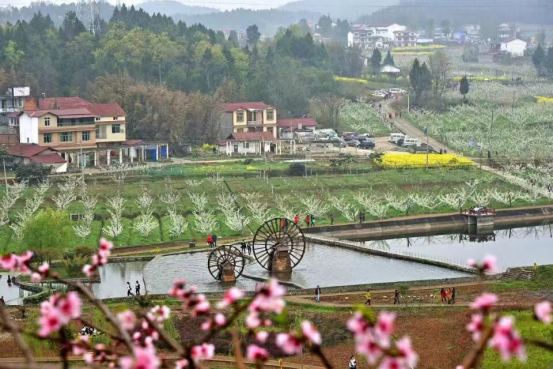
x=528 y=328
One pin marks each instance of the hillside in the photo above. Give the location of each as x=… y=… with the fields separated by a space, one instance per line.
x=171 y=7
x=345 y=9
x=56 y=12
x=268 y=20
x=416 y=13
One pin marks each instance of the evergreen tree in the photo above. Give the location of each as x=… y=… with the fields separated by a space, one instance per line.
x=253 y=34
x=233 y=38
x=71 y=27
x=420 y=78
x=549 y=62
x=539 y=60
x=464 y=87
x=376 y=58
x=389 y=60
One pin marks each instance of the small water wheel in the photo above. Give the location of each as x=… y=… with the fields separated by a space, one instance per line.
x=275 y=240
x=226 y=263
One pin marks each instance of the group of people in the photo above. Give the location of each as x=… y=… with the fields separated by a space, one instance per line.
x=309 y=220
x=246 y=246
x=136 y=289
x=448 y=295
x=212 y=240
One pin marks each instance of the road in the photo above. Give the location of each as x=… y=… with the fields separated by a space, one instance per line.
x=407 y=128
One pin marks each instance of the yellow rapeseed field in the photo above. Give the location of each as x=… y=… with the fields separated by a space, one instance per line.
x=414 y=161
x=346 y=79
x=544 y=99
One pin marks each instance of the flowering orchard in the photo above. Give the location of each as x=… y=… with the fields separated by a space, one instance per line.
x=138 y=336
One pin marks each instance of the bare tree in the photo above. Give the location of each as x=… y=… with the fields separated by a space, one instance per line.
x=439 y=64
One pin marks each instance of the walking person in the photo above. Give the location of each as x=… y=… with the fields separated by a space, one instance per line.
x=296 y=219
x=368 y=296
x=129 y=289
x=137 y=288
x=318 y=294
x=448 y=296
x=249 y=249
x=396 y=297
x=442 y=294
x=400 y=114
x=243 y=247
x=9 y=279
x=214 y=238
x=453 y=292
x=331 y=219
x=307 y=220
x=2 y=302
x=209 y=241
x=352 y=363
x=312 y=220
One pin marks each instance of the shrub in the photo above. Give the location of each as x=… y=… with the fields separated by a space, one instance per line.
x=74 y=264
x=296 y=169
x=48 y=254
x=32 y=173
x=49 y=228
x=84 y=251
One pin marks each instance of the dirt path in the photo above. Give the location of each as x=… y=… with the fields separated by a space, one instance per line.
x=410 y=130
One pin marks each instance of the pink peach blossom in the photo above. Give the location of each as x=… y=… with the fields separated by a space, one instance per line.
x=406 y=351
x=230 y=297
x=257 y=353
x=261 y=336
x=127 y=319
x=311 y=333
x=143 y=358
x=507 y=341
x=475 y=326
x=220 y=319
x=202 y=352
x=542 y=311
x=288 y=343
x=484 y=302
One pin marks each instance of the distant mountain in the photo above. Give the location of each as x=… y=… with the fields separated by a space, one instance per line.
x=344 y=9
x=268 y=20
x=171 y=7
x=488 y=13
x=55 y=11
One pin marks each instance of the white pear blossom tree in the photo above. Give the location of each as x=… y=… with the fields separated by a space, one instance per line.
x=66 y=193
x=145 y=223
x=84 y=228
x=116 y=205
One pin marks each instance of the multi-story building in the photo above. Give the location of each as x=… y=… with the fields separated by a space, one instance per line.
x=71 y=125
x=244 y=117
x=11 y=103
x=405 y=38
x=368 y=37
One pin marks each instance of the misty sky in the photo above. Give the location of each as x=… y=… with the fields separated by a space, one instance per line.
x=218 y=4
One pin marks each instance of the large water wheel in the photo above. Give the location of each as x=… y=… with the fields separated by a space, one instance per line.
x=226 y=263
x=278 y=235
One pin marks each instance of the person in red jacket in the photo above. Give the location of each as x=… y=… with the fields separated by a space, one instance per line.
x=296 y=219
x=307 y=220
x=209 y=241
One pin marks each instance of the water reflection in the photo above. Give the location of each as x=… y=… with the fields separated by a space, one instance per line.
x=514 y=247
x=12 y=294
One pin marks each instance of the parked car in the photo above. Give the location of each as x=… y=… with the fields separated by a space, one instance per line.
x=353 y=143
x=378 y=94
x=395 y=137
x=368 y=145
x=345 y=135
x=408 y=142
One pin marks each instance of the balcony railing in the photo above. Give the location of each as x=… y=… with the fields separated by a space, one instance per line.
x=10 y=110
x=255 y=122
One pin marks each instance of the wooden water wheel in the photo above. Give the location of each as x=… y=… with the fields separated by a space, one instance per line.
x=278 y=233
x=226 y=256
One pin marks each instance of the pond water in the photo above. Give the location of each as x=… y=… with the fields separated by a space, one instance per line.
x=513 y=247
x=322 y=265
x=12 y=294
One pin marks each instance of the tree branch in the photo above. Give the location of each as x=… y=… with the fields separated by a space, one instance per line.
x=474 y=355
x=6 y=321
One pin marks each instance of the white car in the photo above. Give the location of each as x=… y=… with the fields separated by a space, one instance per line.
x=379 y=94
x=397 y=91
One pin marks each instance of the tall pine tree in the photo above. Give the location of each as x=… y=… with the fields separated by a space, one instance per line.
x=539 y=60
x=376 y=58
x=464 y=87
x=389 y=59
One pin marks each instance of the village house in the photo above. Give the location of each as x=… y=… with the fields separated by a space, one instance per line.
x=405 y=38
x=514 y=47
x=368 y=37
x=84 y=133
x=254 y=128
x=24 y=154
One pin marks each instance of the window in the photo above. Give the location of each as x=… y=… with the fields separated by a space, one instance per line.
x=116 y=128
x=66 y=137
x=86 y=136
x=245 y=145
x=47 y=138
x=20 y=103
x=97 y=118
x=239 y=116
x=115 y=118
x=270 y=115
x=97 y=132
x=47 y=122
